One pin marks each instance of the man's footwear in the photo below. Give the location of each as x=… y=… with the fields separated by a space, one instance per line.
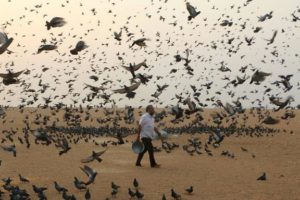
x=138 y=165
x=156 y=166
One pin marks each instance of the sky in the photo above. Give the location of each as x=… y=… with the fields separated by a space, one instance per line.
x=25 y=22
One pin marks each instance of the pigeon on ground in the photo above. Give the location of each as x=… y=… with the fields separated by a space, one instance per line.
x=23 y=179
x=270 y=120
x=263 y=177
x=175 y=195
x=59 y=188
x=190 y=190
x=11 y=148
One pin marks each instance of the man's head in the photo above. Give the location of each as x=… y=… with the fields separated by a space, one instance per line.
x=150 y=109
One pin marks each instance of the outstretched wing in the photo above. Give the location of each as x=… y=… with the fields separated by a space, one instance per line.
x=130 y=88
x=127 y=68
x=4 y=75
x=134 y=86
x=3 y=38
x=190 y=9
x=87 y=160
x=138 y=66
x=100 y=153
x=87 y=170
x=17 y=73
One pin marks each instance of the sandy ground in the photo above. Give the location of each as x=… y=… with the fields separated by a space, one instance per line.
x=213 y=177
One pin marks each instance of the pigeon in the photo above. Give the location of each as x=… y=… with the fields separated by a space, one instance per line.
x=280 y=104
x=79 y=184
x=273 y=38
x=42 y=136
x=55 y=22
x=131 y=193
x=87 y=195
x=175 y=195
x=259 y=76
x=249 y=40
x=11 y=78
x=90 y=173
x=144 y=79
x=192 y=11
x=228 y=108
x=135 y=183
x=189 y=190
x=128 y=90
x=265 y=17
x=139 y=42
x=114 y=193
x=192 y=106
x=270 y=120
x=118 y=36
x=46 y=47
x=257 y=29
x=65 y=196
x=114 y=186
x=177 y=111
x=226 y=23
x=79 y=47
x=244 y=149
x=39 y=190
x=138 y=194
x=4 y=42
x=64 y=145
x=23 y=179
x=285 y=81
x=7 y=181
x=94 y=156
x=133 y=67
x=59 y=188
x=11 y=148
x=263 y=177
x=295 y=18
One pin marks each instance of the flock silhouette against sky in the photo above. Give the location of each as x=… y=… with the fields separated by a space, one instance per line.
x=139 y=52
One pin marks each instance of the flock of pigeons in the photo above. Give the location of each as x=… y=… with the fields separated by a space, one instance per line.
x=188 y=106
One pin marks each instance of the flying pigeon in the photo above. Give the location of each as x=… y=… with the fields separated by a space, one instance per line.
x=192 y=11
x=4 y=42
x=11 y=78
x=55 y=22
x=79 y=47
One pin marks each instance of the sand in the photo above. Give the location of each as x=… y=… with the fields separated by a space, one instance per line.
x=213 y=177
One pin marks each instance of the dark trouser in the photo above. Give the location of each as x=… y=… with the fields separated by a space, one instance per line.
x=148 y=147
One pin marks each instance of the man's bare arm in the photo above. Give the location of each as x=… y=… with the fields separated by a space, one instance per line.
x=158 y=133
x=139 y=132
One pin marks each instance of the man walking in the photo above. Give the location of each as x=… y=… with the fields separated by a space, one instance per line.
x=145 y=133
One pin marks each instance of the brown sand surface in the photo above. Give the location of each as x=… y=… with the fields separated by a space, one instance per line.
x=213 y=177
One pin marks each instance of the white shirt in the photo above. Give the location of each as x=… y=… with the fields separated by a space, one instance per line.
x=147 y=126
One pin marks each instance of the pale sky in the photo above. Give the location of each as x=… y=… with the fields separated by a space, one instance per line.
x=27 y=26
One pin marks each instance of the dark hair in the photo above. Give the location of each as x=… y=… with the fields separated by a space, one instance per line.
x=148 y=107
